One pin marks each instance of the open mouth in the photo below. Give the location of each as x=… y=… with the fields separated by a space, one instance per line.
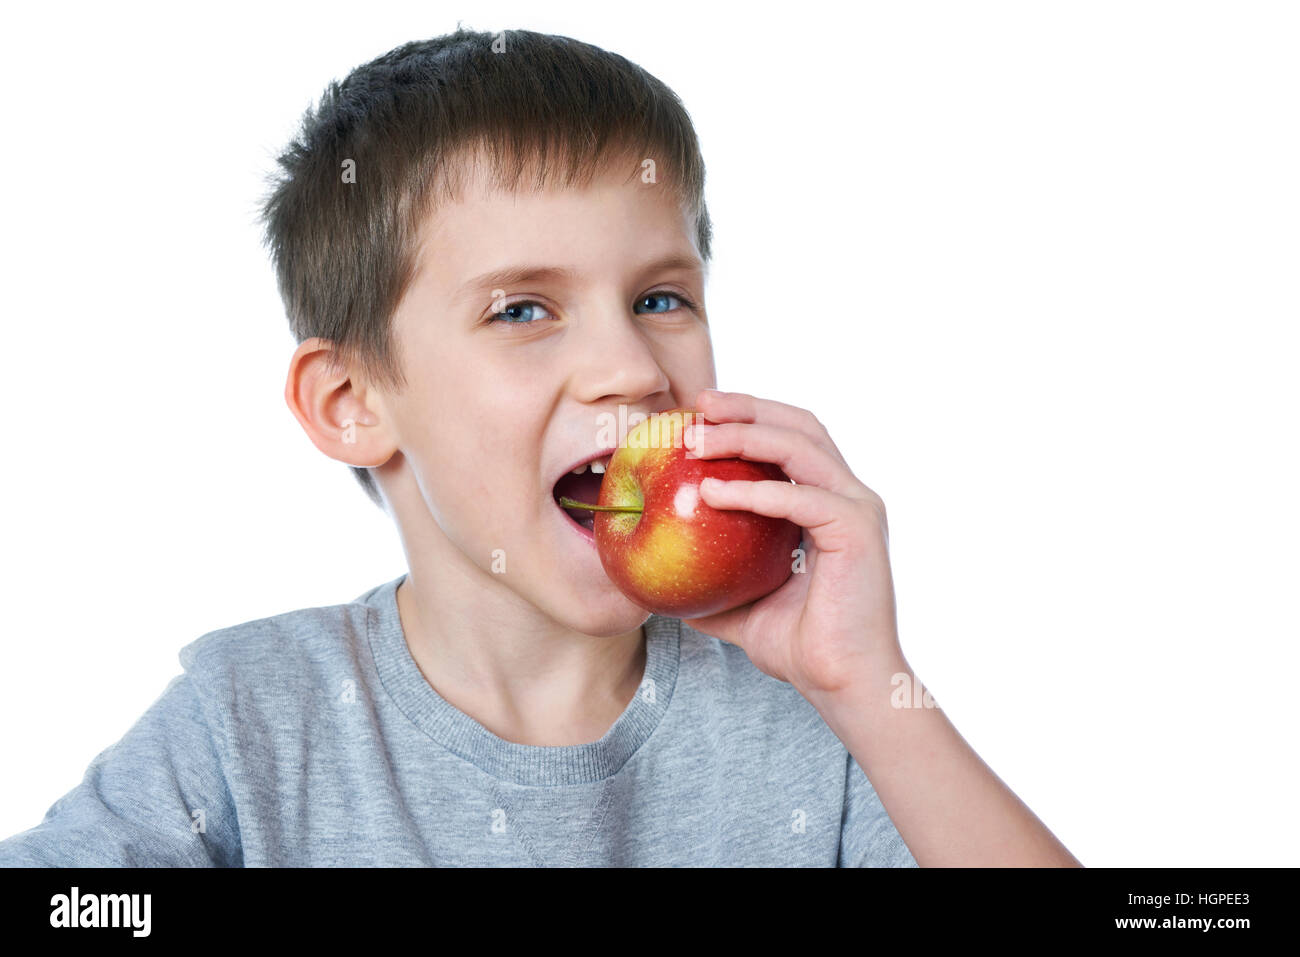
x=582 y=485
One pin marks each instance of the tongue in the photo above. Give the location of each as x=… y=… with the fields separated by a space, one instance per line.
x=580 y=488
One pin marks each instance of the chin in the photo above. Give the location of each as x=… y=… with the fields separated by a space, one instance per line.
x=607 y=618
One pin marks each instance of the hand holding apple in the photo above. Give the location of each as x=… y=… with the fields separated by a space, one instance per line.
x=832 y=627
x=664 y=547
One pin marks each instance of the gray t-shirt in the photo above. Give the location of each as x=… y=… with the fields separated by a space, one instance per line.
x=311 y=738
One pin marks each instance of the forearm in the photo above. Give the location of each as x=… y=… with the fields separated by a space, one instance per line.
x=947 y=804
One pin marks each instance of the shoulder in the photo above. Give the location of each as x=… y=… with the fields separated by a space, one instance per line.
x=303 y=651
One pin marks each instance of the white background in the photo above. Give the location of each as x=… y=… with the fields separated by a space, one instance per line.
x=1034 y=264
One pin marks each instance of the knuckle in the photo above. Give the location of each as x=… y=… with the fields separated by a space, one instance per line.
x=873 y=508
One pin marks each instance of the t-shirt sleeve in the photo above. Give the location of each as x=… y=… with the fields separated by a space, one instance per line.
x=868 y=837
x=156 y=798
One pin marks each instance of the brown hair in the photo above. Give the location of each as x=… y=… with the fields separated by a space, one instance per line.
x=344 y=252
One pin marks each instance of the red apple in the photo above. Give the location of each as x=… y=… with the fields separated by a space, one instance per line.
x=663 y=547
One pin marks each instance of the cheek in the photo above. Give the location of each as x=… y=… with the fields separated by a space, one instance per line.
x=479 y=425
x=481 y=475
x=689 y=366
x=478 y=507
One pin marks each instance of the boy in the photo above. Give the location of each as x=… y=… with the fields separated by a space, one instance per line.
x=486 y=245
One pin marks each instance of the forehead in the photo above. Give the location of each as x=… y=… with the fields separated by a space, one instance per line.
x=616 y=210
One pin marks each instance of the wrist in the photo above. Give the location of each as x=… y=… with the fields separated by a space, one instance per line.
x=881 y=714
x=872 y=683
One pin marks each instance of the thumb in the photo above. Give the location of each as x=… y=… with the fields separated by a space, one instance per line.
x=726 y=625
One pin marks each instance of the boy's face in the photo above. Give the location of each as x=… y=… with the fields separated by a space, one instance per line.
x=496 y=410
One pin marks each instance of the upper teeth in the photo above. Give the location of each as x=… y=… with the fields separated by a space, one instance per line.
x=597 y=465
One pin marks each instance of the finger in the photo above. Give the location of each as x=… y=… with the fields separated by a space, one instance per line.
x=831 y=521
x=726 y=626
x=798 y=455
x=741 y=407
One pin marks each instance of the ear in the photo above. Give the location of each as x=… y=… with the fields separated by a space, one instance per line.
x=334 y=411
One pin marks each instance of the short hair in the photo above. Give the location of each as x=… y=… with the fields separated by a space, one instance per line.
x=344 y=252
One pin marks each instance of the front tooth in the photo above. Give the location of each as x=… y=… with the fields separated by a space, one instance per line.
x=580 y=469
x=598 y=467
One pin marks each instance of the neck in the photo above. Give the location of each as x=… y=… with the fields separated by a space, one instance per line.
x=498 y=658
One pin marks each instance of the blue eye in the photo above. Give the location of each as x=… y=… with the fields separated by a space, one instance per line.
x=525 y=312
x=661 y=296
x=512 y=312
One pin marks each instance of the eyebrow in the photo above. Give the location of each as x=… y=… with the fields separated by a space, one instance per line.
x=513 y=275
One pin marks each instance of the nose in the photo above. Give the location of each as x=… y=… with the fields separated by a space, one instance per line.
x=618 y=361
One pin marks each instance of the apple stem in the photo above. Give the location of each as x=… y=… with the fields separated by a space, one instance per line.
x=570 y=503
